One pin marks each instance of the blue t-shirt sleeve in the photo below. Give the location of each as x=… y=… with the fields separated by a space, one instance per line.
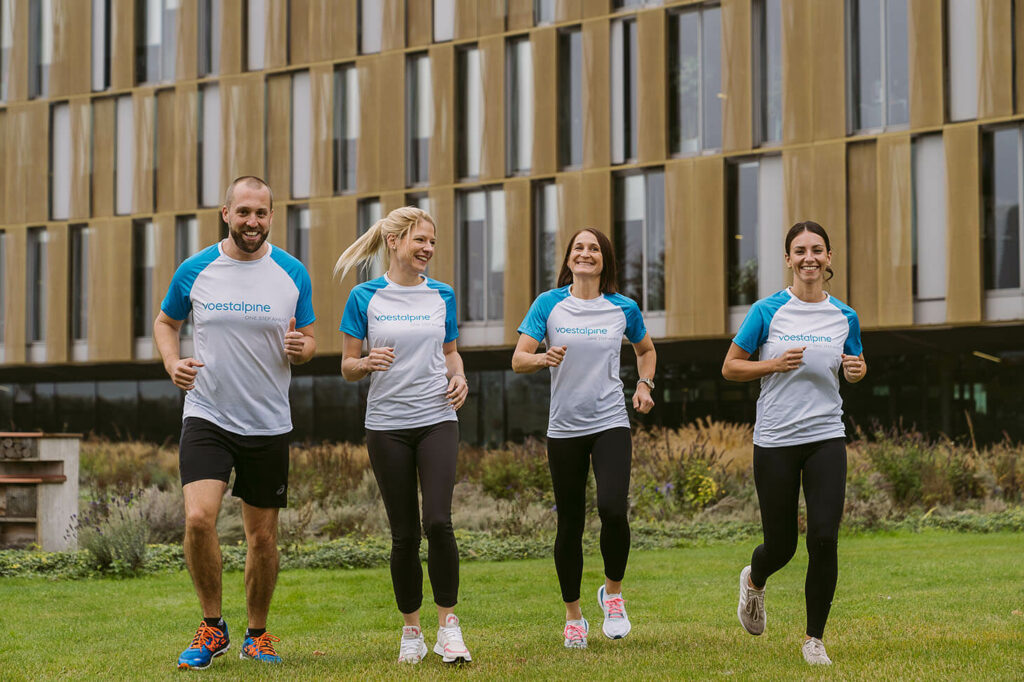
x=451 y=316
x=853 y=345
x=177 y=304
x=353 y=320
x=636 y=330
x=304 y=315
x=535 y=324
x=754 y=330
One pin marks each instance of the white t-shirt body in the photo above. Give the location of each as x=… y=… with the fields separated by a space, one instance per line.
x=240 y=312
x=416 y=321
x=804 y=405
x=586 y=391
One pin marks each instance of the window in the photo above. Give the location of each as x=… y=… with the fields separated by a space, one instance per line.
x=155 y=40
x=420 y=200
x=519 y=113
x=186 y=244
x=209 y=37
x=543 y=12
x=743 y=233
x=570 y=98
x=626 y=4
x=302 y=134
x=209 y=131
x=346 y=127
x=1001 y=197
x=298 y=232
x=78 y=307
x=755 y=232
x=623 y=90
x=962 y=51
x=368 y=212
x=444 y=20
x=545 y=235
x=470 y=111
x=255 y=35
x=60 y=161
x=640 y=237
x=877 y=61
x=481 y=271
x=695 y=80
x=40 y=47
x=124 y=169
x=419 y=119
x=6 y=43
x=101 y=44
x=371 y=24
x=768 y=71
x=928 y=228
x=35 y=286
x=143 y=261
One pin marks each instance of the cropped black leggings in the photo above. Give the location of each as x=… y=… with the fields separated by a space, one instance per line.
x=777 y=476
x=611 y=452
x=396 y=458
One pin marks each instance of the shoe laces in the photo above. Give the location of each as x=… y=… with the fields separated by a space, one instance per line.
x=815 y=646
x=410 y=646
x=453 y=637
x=575 y=632
x=264 y=644
x=755 y=604
x=207 y=635
x=613 y=605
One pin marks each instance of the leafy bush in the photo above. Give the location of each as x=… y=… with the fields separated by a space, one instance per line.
x=115 y=533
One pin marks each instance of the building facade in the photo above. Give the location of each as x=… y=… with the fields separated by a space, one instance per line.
x=693 y=133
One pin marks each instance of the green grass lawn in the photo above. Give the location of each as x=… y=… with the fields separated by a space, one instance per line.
x=924 y=606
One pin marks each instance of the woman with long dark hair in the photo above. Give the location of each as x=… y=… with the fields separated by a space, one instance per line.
x=583 y=322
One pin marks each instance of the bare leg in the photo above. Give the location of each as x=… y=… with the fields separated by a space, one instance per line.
x=442 y=614
x=572 y=610
x=411 y=618
x=612 y=586
x=261 y=561
x=202 y=547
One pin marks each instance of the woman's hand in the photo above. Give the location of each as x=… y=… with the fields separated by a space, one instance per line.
x=790 y=360
x=458 y=389
x=379 y=359
x=554 y=356
x=642 y=400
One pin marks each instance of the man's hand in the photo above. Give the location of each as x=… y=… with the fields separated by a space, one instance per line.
x=183 y=373
x=294 y=344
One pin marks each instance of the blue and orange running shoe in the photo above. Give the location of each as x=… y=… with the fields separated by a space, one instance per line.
x=208 y=643
x=260 y=648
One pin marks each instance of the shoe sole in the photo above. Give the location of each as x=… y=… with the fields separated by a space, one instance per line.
x=744 y=575
x=600 y=603
x=454 y=660
x=186 y=666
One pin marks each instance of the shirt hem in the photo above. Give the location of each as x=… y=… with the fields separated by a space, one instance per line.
x=393 y=426
x=586 y=432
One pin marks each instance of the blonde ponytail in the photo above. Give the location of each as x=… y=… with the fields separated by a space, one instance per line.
x=373 y=244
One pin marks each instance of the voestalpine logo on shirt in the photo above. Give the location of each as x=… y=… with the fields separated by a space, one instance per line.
x=401 y=318
x=582 y=331
x=250 y=311
x=804 y=338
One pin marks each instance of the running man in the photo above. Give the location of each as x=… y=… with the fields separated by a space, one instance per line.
x=253 y=318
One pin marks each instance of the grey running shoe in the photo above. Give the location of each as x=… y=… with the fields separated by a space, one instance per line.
x=616 y=622
x=576 y=633
x=751 y=611
x=814 y=652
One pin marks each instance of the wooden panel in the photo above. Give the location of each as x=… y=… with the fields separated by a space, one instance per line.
x=57 y=292
x=963 y=225
x=279 y=116
x=164 y=266
x=544 y=53
x=680 y=306
x=569 y=210
x=144 y=104
x=186 y=61
x=924 y=47
x=231 y=38
x=596 y=201
x=186 y=134
x=324 y=248
x=104 y=135
x=122 y=46
x=391 y=113
x=81 y=157
x=70 y=66
x=3 y=170
x=895 y=256
x=389 y=201
x=346 y=27
x=442 y=142
x=995 y=58
x=594 y=8
x=28 y=128
x=465 y=19
x=798 y=179
x=14 y=295
x=737 y=112
x=277 y=34
x=321 y=30
x=16 y=70
x=596 y=111
x=419 y=29
x=651 y=86
x=442 y=206
x=322 y=85
x=209 y=227
x=520 y=14
x=110 y=318
x=242 y=126
x=492 y=72
x=572 y=10
x=367 y=155
x=863 y=235
x=298 y=25
x=490 y=19
x=708 y=247
x=518 y=295
x=797 y=57
x=344 y=233
x=165 y=150
x=827 y=60
x=394 y=25
x=830 y=209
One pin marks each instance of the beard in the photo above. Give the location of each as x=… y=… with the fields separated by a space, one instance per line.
x=244 y=246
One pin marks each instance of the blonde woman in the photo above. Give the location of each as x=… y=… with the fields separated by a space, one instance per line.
x=417 y=382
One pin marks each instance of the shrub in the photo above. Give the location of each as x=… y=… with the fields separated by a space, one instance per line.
x=115 y=534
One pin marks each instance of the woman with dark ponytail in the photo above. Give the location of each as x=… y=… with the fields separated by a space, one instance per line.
x=803 y=337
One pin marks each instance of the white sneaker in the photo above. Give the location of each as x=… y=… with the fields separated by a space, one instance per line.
x=576 y=633
x=412 y=648
x=751 y=611
x=814 y=652
x=616 y=622
x=450 y=646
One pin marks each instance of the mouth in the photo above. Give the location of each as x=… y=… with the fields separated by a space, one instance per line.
x=422 y=258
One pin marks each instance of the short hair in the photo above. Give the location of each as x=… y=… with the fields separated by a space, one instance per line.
x=251 y=181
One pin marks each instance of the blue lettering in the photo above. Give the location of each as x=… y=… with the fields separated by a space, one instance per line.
x=237 y=306
x=401 y=318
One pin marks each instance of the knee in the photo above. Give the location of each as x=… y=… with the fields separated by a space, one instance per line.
x=200 y=522
x=782 y=550
x=822 y=545
x=262 y=540
x=438 y=528
x=405 y=537
x=612 y=515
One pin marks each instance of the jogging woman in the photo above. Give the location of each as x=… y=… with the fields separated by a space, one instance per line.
x=584 y=320
x=416 y=383
x=803 y=337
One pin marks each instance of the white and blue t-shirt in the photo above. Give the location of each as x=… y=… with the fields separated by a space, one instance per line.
x=416 y=321
x=801 y=406
x=240 y=311
x=586 y=391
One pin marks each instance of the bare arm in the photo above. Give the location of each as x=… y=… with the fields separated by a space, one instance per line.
x=354 y=367
x=526 y=359
x=458 y=387
x=646 y=361
x=181 y=370
x=739 y=367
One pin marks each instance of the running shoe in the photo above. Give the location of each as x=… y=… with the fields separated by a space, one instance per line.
x=412 y=648
x=450 y=646
x=616 y=622
x=814 y=652
x=576 y=633
x=260 y=648
x=209 y=643
x=751 y=611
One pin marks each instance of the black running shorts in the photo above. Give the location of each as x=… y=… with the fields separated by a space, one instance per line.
x=207 y=451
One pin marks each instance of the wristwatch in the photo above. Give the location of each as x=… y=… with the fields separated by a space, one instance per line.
x=649 y=382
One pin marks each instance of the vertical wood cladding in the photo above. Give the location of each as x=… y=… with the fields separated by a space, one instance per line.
x=963 y=224
x=122 y=45
x=329 y=235
x=995 y=58
x=569 y=10
x=110 y=318
x=71 y=59
x=163 y=269
x=231 y=38
x=924 y=47
x=520 y=14
x=144 y=105
x=81 y=157
x=680 y=309
x=737 y=112
x=895 y=257
x=186 y=149
x=596 y=201
x=17 y=69
x=186 y=62
x=442 y=138
x=490 y=17
x=569 y=209
x=419 y=30
x=57 y=292
x=242 y=135
x=166 y=125
x=544 y=50
x=278 y=135
x=518 y=256
x=492 y=71
x=862 y=193
x=368 y=154
x=651 y=88
x=104 y=134
x=442 y=205
x=465 y=18
x=14 y=293
x=596 y=110
x=3 y=170
x=27 y=160
x=209 y=222
x=393 y=28
x=708 y=240
x=277 y=33
x=322 y=86
x=391 y=108
x=797 y=58
x=298 y=31
x=827 y=60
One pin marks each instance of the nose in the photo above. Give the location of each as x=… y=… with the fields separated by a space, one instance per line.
x=252 y=221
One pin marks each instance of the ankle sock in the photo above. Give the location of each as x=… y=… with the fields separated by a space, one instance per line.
x=215 y=622
x=255 y=632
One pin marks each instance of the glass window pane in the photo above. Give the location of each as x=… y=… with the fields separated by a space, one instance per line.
x=371 y=23
x=771 y=72
x=209 y=145
x=629 y=234
x=711 y=72
x=369 y=212
x=570 y=98
x=6 y=43
x=520 y=107
x=302 y=134
x=419 y=119
x=654 y=240
x=495 y=254
x=60 y=162
x=962 y=47
x=168 y=39
x=298 y=233
x=100 y=44
x=743 y=233
x=545 y=235
x=543 y=12
x=79 y=282
x=473 y=218
x=144 y=260
x=256 y=37
x=35 y=289
x=346 y=127
x=124 y=169
x=896 y=68
x=444 y=20
x=929 y=171
x=1001 y=193
x=867 y=80
x=684 y=81
x=471 y=112
x=771 y=231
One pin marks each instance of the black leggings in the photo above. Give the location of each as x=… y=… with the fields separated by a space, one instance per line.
x=569 y=459
x=777 y=474
x=396 y=457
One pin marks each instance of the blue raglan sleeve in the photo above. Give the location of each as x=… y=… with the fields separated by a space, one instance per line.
x=636 y=330
x=451 y=315
x=754 y=330
x=853 y=345
x=304 y=315
x=177 y=304
x=535 y=324
x=353 y=320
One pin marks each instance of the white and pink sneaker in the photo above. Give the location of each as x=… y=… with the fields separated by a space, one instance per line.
x=412 y=648
x=450 y=646
x=616 y=622
x=576 y=633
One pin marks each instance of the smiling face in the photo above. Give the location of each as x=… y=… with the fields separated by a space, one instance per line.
x=416 y=248
x=585 y=257
x=248 y=217
x=808 y=256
